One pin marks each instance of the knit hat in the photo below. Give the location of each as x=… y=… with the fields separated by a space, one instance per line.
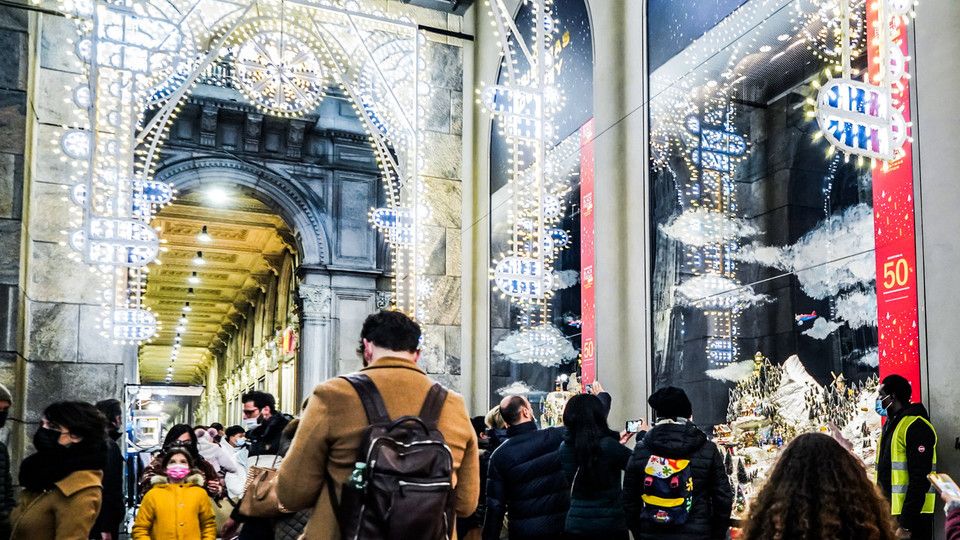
x=5 y=394
x=671 y=402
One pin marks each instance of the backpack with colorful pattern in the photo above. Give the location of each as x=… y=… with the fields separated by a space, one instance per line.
x=667 y=491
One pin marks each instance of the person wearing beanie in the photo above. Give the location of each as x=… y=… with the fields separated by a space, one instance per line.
x=675 y=486
x=7 y=502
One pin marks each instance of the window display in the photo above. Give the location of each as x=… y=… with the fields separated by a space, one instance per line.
x=764 y=267
x=538 y=145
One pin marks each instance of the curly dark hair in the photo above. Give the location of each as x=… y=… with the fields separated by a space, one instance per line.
x=817 y=490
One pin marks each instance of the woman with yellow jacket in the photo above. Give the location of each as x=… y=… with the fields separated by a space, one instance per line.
x=61 y=482
x=178 y=506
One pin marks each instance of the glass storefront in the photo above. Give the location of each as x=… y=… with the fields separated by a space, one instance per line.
x=764 y=290
x=516 y=364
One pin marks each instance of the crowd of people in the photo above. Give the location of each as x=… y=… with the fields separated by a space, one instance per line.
x=386 y=451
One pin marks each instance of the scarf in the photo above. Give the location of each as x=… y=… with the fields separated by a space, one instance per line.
x=42 y=470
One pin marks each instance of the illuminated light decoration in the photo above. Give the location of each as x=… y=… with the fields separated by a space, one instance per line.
x=117 y=242
x=543 y=344
x=520 y=277
x=278 y=70
x=820 y=24
x=556 y=240
x=141 y=61
x=718 y=148
x=186 y=308
x=856 y=118
x=76 y=144
x=395 y=223
x=194 y=278
x=153 y=192
x=133 y=325
x=198 y=260
x=863 y=118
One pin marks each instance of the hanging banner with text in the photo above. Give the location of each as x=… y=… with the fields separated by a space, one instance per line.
x=588 y=352
x=894 y=233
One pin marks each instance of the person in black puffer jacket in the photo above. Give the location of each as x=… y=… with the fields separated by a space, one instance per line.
x=525 y=478
x=676 y=437
x=593 y=458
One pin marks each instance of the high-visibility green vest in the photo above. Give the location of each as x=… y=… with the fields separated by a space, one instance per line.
x=900 y=477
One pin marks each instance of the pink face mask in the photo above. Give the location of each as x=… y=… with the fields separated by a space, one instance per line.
x=177 y=472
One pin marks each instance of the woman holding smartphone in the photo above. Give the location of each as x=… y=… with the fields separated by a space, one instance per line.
x=593 y=458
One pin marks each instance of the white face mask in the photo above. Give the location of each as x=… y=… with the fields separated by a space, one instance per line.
x=240 y=442
x=249 y=423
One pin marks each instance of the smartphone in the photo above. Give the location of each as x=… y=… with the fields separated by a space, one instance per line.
x=945 y=485
x=633 y=426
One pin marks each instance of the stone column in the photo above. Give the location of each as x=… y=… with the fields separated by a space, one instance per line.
x=936 y=129
x=315 y=363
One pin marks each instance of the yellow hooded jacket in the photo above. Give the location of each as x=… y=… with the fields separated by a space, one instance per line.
x=176 y=511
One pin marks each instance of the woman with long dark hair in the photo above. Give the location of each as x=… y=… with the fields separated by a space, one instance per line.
x=182 y=436
x=593 y=459
x=818 y=489
x=62 y=481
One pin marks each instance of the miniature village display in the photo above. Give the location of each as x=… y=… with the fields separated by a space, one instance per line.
x=774 y=404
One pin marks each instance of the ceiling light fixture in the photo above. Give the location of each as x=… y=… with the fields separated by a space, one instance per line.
x=181 y=328
x=194 y=278
x=198 y=260
x=204 y=236
x=182 y=320
x=190 y=291
x=186 y=308
x=217 y=196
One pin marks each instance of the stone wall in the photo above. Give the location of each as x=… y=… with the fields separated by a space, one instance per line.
x=443 y=148
x=50 y=347
x=15 y=38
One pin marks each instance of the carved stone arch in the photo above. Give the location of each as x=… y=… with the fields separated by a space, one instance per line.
x=298 y=208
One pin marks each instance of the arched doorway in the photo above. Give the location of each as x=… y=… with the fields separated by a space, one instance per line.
x=224 y=295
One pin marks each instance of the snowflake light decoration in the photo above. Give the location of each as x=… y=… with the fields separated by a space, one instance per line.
x=277 y=69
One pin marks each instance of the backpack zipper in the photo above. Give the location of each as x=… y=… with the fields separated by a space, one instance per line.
x=403 y=483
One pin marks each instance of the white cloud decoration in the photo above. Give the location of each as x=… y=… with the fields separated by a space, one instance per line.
x=701 y=227
x=733 y=372
x=516 y=388
x=822 y=328
x=544 y=345
x=712 y=291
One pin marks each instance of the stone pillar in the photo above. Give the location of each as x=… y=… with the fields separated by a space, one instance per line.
x=315 y=363
x=621 y=202
x=937 y=129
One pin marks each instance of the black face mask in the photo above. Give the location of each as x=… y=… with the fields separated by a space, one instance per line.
x=47 y=440
x=3 y=417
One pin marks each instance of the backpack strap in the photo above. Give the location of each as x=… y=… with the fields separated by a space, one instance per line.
x=432 y=405
x=370 y=397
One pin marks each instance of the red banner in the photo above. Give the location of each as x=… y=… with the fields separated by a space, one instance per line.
x=588 y=351
x=895 y=239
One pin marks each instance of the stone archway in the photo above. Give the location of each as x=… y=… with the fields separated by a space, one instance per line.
x=296 y=206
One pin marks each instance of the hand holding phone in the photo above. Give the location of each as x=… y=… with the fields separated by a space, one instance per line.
x=945 y=485
x=636 y=426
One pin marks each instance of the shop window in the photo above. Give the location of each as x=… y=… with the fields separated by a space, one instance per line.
x=763 y=260
x=522 y=363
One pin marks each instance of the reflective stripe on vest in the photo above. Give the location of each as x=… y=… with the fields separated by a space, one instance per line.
x=900 y=477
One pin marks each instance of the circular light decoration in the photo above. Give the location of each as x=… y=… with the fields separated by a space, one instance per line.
x=278 y=70
x=820 y=24
x=81 y=96
x=76 y=144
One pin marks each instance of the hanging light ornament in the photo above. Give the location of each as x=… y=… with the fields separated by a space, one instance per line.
x=865 y=118
x=524 y=105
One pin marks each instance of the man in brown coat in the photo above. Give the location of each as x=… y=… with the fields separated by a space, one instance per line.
x=332 y=424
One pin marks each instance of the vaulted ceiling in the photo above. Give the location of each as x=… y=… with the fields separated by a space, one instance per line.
x=246 y=242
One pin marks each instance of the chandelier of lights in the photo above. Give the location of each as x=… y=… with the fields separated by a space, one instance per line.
x=866 y=118
x=140 y=60
x=524 y=106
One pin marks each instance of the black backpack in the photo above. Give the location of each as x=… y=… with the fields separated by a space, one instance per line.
x=403 y=481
